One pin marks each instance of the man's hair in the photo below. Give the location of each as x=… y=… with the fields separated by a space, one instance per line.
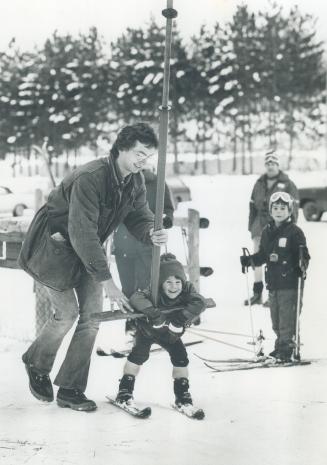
x=130 y=135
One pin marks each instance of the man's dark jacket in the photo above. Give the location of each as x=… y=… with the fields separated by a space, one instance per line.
x=85 y=208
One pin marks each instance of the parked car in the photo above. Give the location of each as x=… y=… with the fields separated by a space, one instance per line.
x=179 y=190
x=313 y=201
x=14 y=203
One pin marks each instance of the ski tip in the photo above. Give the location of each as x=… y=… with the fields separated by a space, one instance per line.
x=100 y=352
x=116 y=354
x=199 y=414
x=145 y=413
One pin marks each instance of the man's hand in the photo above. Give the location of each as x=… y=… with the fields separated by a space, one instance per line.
x=116 y=295
x=159 y=237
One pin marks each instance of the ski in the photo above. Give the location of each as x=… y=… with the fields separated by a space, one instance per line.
x=254 y=365
x=124 y=353
x=133 y=410
x=190 y=411
x=233 y=360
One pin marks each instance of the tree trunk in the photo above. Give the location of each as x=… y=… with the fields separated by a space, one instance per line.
x=290 y=149
x=235 y=148
x=196 y=161
x=204 y=166
x=243 y=147
x=175 y=143
x=175 y=146
x=249 y=144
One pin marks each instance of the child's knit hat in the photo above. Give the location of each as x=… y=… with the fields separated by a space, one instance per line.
x=170 y=266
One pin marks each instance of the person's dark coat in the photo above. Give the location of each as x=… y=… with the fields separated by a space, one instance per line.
x=259 y=203
x=279 y=249
x=85 y=208
x=124 y=243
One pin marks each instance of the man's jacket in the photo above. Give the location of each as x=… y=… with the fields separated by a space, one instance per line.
x=85 y=208
x=259 y=203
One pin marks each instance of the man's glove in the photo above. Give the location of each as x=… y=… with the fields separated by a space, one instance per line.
x=167 y=222
x=245 y=262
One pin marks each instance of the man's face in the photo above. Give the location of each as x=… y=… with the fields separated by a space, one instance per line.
x=134 y=160
x=272 y=169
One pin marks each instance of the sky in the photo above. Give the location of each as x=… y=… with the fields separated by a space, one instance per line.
x=31 y=22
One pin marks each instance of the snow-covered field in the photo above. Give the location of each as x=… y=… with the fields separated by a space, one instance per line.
x=271 y=417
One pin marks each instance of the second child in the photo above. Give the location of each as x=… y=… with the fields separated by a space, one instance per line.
x=280 y=249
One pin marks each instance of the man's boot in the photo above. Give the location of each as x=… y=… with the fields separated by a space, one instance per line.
x=40 y=383
x=257 y=294
x=75 y=399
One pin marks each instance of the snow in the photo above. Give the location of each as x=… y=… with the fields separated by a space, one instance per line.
x=271 y=416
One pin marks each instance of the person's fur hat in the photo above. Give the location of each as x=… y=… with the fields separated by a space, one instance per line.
x=170 y=266
x=271 y=157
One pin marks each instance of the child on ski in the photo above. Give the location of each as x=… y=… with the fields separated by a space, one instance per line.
x=280 y=250
x=164 y=329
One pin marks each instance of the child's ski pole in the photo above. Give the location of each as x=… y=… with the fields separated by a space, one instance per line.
x=246 y=252
x=298 y=304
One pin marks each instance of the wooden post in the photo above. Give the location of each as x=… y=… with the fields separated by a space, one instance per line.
x=193 y=248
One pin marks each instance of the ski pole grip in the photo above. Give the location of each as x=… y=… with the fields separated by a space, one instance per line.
x=301 y=260
x=245 y=253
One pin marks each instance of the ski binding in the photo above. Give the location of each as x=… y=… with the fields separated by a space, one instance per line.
x=131 y=408
x=190 y=411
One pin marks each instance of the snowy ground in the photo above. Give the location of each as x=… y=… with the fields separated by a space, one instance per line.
x=273 y=416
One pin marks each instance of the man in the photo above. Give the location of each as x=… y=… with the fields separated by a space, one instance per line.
x=272 y=181
x=63 y=250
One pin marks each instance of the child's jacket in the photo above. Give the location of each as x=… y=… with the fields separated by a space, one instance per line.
x=189 y=299
x=279 y=249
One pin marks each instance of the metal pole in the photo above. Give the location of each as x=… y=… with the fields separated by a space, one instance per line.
x=326 y=118
x=246 y=252
x=169 y=13
x=298 y=305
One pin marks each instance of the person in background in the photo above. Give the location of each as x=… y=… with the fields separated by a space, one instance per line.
x=271 y=181
x=133 y=258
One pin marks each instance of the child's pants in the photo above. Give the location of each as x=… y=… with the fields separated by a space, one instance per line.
x=142 y=345
x=283 y=316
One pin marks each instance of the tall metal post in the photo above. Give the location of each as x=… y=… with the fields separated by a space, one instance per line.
x=169 y=13
x=326 y=118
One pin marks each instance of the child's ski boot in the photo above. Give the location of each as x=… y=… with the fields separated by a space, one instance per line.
x=183 y=400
